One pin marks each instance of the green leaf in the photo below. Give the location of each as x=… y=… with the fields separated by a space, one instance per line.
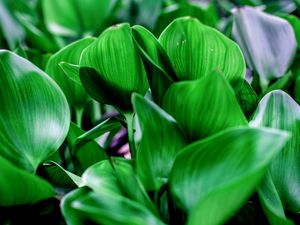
x=160 y=72
x=58 y=176
x=295 y=22
x=35 y=120
x=72 y=18
x=222 y=169
x=20 y=187
x=130 y=184
x=278 y=110
x=160 y=143
x=71 y=71
x=74 y=92
x=196 y=50
x=207 y=15
x=247 y=98
x=82 y=206
x=204 y=107
x=268 y=42
x=111 y=68
x=86 y=154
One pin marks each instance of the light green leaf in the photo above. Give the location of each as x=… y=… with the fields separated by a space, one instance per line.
x=268 y=42
x=111 y=68
x=71 y=71
x=222 y=169
x=82 y=206
x=74 y=92
x=160 y=72
x=35 y=120
x=20 y=187
x=278 y=110
x=161 y=141
x=72 y=18
x=196 y=50
x=204 y=107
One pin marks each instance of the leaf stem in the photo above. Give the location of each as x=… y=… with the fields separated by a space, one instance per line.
x=78 y=116
x=129 y=120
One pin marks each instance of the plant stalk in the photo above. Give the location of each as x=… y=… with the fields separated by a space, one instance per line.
x=129 y=120
x=78 y=116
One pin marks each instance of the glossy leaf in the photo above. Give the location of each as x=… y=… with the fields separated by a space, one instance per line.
x=268 y=42
x=20 y=187
x=204 y=107
x=71 y=71
x=71 y=18
x=196 y=50
x=82 y=206
x=278 y=110
x=35 y=120
x=160 y=72
x=111 y=68
x=161 y=141
x=74 y=92
x=222 y=169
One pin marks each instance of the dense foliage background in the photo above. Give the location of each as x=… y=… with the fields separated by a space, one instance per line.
x=149 y=112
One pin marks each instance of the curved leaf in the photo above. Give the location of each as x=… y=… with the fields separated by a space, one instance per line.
x=35 y=120
x=204 y=107
x=111 y=68
x=74 y=92
x=196 y=50
x=268 y=42
x=223 y=168
x=20 y=187
x=161 y=141
x=278 y=110
x=82 y=206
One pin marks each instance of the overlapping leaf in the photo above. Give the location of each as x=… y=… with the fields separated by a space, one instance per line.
x=196 y=50
x=204 y=107
x=268 y=42
x=34 y=115
x=161 y=141
x=224 y=168
x=278 y=110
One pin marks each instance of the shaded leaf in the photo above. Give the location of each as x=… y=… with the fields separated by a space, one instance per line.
x=278 y=110
x=35 y=120
x=33 y=189
x=222 y=169
x=161 y=141
x=204 y=107
x=111 y=68
x=268 y=42
x=196 y=50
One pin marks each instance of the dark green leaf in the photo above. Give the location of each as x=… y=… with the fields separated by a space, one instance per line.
x=20 y=187
x=204 y=107
x=161 y=141
x=223 y=169
x=196 y=50
x=35 y=120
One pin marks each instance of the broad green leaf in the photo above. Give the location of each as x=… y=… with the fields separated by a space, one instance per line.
x=82 y=206
x=58 y=176
x=196 y=50
x=101 y=178
x=271 y=202
x=71 y=71
x=130 y=183
x=20 y=187
x=75 y=18
x=74 y=92
x=85 y=155
x=204 y=107
x=247 y=98
x=160 y=72
x=278 y=110
x=111 y=68
x=10 y=27
x=161 y=141
x=268 y=42
x=207 y=15
x=35 y=120
x=223 y=169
